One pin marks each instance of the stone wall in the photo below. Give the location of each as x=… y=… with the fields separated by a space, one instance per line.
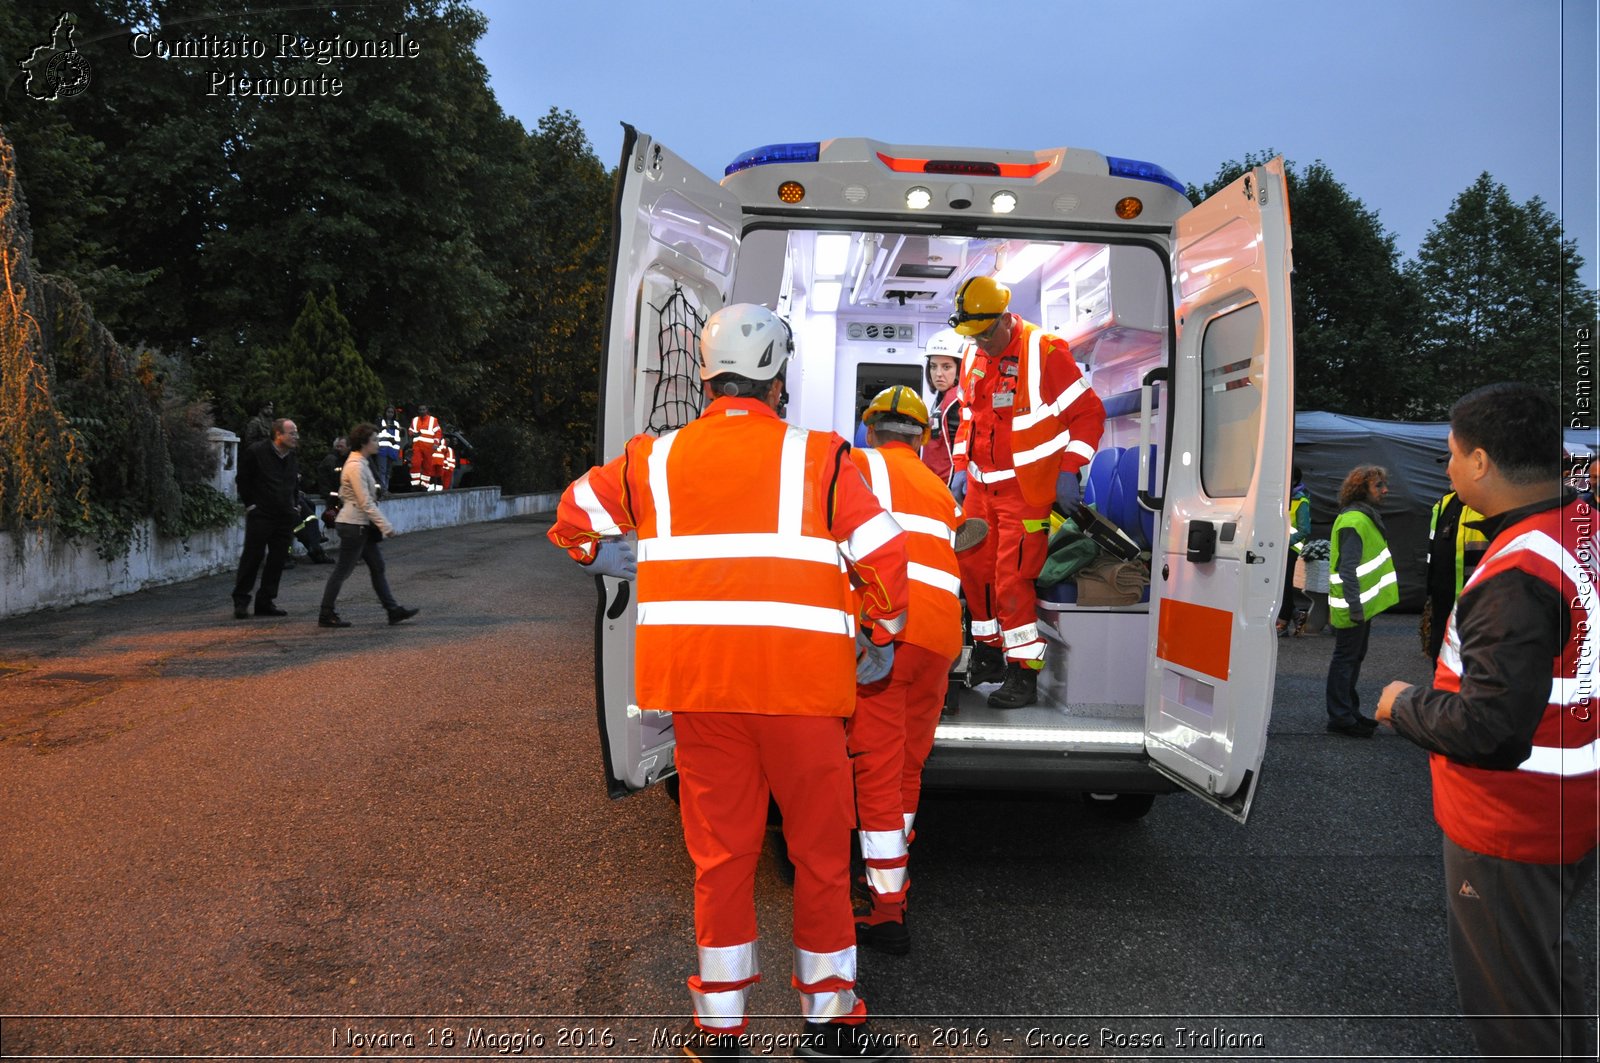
x=39 y=572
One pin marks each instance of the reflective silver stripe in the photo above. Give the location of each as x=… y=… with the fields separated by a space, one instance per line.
x=990 y=477
x=1018 y=636
x=814 y=968
x=916 y=522
x=911 y=818
x=748 y=614
x=873 y=534
x=729 y=963
x=882 y=844
x=1044 y=450
x=878 y=478
x=1554 y=760
x=740 y=545
x=1376 y=563
x=1062 y=403
x=599 y=519
x=1081 y=449
x=1388 y=579
x=886 y=880
x=933 y=577
x=720 y=1011
x=657 y=466
x=986 y=627
x=792 y=481
x=893 y=624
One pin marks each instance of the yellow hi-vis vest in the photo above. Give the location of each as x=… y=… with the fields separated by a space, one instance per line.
x=1379 y=586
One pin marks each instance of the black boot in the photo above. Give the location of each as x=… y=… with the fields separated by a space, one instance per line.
x=840 y=1040
x=1020 y=688
x=400 y=613
x=988 y=665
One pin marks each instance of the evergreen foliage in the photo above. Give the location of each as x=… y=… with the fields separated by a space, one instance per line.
x=322 y=382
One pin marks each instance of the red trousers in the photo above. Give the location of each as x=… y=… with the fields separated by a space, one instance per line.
x=728 y=764
x=424 y=469
x=891 y=735
x=997 y=575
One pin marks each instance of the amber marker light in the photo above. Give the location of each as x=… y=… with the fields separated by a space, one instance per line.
x=791 y=191
x=1129 y=207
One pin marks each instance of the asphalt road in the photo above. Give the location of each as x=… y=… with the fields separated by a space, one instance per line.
x=261 y=838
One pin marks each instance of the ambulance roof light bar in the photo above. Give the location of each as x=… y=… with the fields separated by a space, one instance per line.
x=767 y=154
x=1144 y=171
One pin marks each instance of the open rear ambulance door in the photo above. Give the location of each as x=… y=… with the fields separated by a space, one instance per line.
x=1218 y=568
x=675 y=241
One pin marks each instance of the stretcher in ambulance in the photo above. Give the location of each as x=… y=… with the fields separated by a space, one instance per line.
x=1179 y=316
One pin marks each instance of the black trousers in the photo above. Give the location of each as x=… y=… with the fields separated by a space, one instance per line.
x=1344 y=672
x=266 y=548
x=1518 y=967
x=358 y=542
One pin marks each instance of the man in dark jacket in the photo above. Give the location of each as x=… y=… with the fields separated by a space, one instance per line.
x=1511 y=730
x=269 y=486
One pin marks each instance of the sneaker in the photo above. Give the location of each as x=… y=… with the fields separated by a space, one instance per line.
x=702 y=1044
x=402 y=614
x=1020 y=688
x=890 y=937
x=845 y=1040
x=332 y=620
x=988 y=665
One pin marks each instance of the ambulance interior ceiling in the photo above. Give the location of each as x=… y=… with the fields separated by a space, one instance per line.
x=862 y=301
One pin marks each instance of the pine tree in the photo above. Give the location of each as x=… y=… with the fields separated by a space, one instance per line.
x=324 y=385
x=1502 y=294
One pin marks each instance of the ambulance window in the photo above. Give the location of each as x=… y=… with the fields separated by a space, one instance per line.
x=1231 y=355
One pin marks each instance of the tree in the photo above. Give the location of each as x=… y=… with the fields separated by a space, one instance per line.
x=1502 y=294
x=324 y=385
x=1354 y=309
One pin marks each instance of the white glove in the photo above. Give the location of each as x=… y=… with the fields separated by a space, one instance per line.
x=615 y=557
x=872 y=661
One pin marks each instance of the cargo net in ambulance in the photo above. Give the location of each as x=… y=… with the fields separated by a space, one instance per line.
x=678 y=397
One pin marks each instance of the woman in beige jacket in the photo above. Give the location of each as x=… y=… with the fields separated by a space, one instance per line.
x=362 y=527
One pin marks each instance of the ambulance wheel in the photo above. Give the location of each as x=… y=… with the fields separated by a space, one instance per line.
x=1124 y=808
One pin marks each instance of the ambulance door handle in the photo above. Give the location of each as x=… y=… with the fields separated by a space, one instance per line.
x=1147 y=407
x=620 y=602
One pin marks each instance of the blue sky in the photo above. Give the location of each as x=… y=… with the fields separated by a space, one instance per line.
x=1407 y=102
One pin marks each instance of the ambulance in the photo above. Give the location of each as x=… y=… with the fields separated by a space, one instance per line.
x=1179 y=316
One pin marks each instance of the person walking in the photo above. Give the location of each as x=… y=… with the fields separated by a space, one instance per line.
x=891 y=733
x=268 y=482
x=1030 y=422
x=1512 y=735
x=748 y=633
x=1361 y=584
x=361 y=526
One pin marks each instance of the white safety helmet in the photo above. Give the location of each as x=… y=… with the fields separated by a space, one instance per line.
x=946 y=343
x=747 y=340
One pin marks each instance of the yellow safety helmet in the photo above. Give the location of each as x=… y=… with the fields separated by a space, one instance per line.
x=898 y=403
x=979 y=302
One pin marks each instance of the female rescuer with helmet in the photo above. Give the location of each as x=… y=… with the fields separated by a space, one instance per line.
x=742 y=521
x=1029 y=425
x=943 y=373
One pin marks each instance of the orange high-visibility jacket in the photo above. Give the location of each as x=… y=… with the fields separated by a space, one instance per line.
x=920 y=503
x=426 y=429
x=748 y=529
x=1051 y=422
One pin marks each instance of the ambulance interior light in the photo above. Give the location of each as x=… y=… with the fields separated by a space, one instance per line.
x=918 y=198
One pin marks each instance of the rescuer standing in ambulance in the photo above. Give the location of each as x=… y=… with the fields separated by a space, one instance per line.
x=748 y=632
x=1029 y=425
x=891 y=733
x=943 y=373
